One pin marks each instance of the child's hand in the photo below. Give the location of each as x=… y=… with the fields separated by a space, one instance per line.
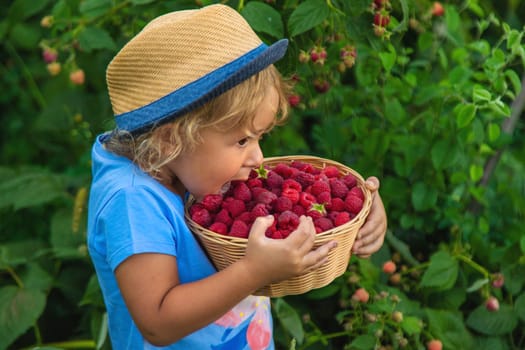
x=274 y=260
x=372 y=234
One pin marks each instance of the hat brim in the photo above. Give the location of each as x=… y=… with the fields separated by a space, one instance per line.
x=202 y=90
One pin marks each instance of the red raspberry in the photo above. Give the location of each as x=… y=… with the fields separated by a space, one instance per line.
x=254 y=182
x=342 y=218
x=219 y=227
x=265 y=197
x=294 y=100
x=283 y=203
x=224 y=216
x=437 y=9
x=357 y=192
x=304 y=179
x=306 y=199
x=338 y=188
x=212 y=202
x=288 y=220
x=259 y=210
x=234 y=206
x=276 y=235
x=434 y=344
x=274 y=180
x=239 y=229
x=291 y=183
x=325 y=198
x=291 y=194
x=320 y=186
x=324 y=223
x=337 y=204
x=202 y=217
x=381 y=20
x=49 y=55
x=498 y=280
x=284 y=170
x=246 y=217
x=241 y=191
x=314 y=213
x=353 y=204
x=349 y=180
x=389 y=267
x=297 y=164
x=195 y=207
x=331 y=171
x=299 y=210
x=361 y=295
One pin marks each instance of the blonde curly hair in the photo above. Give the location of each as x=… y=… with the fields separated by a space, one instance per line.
x=237 y=107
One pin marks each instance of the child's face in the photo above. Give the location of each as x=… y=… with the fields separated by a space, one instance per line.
x=225 y=156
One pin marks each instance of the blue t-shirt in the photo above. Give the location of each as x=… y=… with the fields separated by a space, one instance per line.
x=130 y=213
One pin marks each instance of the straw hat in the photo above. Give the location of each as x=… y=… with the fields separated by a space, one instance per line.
x=180 y=61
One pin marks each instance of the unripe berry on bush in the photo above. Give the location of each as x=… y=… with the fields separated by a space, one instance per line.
x=361 y=295
x=498 y=280
x=304 y=56
x=389 y=267
x=492 y=304
x=434 y=344
x=321 y=85
x=395 y=278
x=397 y=316
x=46 y=21
x=54 y=68
x=77 y=77
x=437 y=9
x=381 y=19
x=318 y=55
x=49 y=55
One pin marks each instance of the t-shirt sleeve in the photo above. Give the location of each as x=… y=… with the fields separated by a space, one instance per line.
x=135 y=221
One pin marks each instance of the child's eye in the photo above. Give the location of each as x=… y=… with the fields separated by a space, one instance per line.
x=243 y=142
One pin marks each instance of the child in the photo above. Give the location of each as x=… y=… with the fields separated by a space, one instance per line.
x=193 y=93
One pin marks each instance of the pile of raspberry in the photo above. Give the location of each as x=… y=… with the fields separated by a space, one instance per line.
x=286 y=191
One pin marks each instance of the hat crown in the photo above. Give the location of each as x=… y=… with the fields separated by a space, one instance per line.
x=175 y=50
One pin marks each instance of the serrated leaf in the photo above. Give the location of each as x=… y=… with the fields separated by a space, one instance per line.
x=363 y=342
x=93 y=38
x=449 y=327
x=480 y=94
x=20 y=252
x=441 y=273
x=95 y=8
x=22 y=9
x=264 y=18
x=498 y=322
x=306 y=16
x=289 y=318
x=19 y=310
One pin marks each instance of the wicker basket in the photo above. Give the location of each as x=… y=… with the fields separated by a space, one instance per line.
x=224 y=250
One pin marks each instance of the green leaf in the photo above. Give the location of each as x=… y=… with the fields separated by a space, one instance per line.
x=448 y=326
x=363 y=342
x=19 y=311
x=441 y=273
x=501 y=109
x=388 y=58
x=93 y=38
x=307 y=15
x=514 y=80
x=141 y=2
x=476 y=172
x=477 y=285
x=264 y=18
x=22 y=9
x=480 y=94
x=31 y=188
x=24 y=35
x=465 y=113
x=94 y=8
x=289 y=318
x=20 y=252
x=519 y=306
x=424 y=197
x=499 y=322
x=411 y=325
x=444 y=154
x=395 y=112
x=493 y=132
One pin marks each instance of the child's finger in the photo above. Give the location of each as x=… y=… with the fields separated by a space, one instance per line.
x=319 y=256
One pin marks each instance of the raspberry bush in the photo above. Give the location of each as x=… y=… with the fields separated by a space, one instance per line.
x=426 y=95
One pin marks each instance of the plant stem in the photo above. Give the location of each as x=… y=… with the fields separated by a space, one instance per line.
x=17 y=279
x=473 y=264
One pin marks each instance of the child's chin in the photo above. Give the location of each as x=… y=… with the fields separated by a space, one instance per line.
x=225 y=188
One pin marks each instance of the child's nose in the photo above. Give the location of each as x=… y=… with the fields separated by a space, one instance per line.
x=255 y=157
